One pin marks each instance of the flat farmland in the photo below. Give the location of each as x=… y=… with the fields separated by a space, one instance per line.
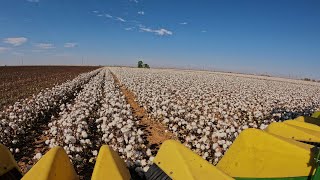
x=135 y=110
x=17 y=82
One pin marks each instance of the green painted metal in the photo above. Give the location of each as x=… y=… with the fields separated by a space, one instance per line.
x=317 y=173
x=316 y=114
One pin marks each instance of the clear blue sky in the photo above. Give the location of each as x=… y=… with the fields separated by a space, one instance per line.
x=280 y=37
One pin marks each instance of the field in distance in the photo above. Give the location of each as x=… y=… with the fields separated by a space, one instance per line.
x=18 y=82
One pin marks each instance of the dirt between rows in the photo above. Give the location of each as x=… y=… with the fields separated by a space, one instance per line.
x=157 y=132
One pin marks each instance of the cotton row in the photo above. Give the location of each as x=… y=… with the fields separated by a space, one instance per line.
x=120 y=130
x=72 y=129
x=18 y=119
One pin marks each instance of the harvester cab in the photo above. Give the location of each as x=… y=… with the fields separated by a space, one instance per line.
x=285 y=150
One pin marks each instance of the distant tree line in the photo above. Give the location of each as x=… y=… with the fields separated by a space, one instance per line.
x=308 y=79
x=142 y=65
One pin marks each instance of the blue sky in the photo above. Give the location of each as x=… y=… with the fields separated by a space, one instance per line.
x=280 y=37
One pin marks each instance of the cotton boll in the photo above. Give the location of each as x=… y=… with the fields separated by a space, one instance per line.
x=145 y=169
x=217 y=154
x=37 y=156
x=95 y=152
x=151 y=159
x=143 y=162
x=215 y=145
x=84 y=134
x=148 y=152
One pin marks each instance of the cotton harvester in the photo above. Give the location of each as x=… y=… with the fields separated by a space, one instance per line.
x=285 y=150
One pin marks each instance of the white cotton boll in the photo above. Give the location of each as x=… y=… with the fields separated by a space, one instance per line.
x=82 y=141
x=192 y=137
x=205 y=155
x=235 y=134
x=174 y=128
x=78 y=149
x=129 y=154
x=128 y=147
x=139 y=132
x=151 y=159
x=37 y=156
x=145 y=169
x=188 y=139
x=225 y=146
x=262 y=126
x=103 y=126
x=84 y=134
x=217 y=154
x=148 y=152
x=47 y=142
x=140 y=140
x=15 y=141
x=54 y=132
x=88 y=141
x=71 y=139
x=166 y=120
x=17 y=150
x=220 y=142
x=95 y=152
x=72 y=148
x=207 y=133
x=78 y=157
x=143 y=162
x=215 y=145
x=203 y=147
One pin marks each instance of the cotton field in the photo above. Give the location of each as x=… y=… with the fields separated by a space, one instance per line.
x=205 y=111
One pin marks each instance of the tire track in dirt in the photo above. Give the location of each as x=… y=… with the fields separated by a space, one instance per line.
x=157 y=133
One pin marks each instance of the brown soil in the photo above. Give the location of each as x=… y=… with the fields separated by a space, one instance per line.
x=157 y=133
x=17 y=82
x=37 y=146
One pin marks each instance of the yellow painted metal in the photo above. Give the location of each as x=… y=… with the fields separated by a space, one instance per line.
x=110 y=166
x=258 y=154
x=316 y=114
x=293 y=132
x=306 y=119
x=7 y=161
x=303 y=125
x=54 y=165
x=178 y=162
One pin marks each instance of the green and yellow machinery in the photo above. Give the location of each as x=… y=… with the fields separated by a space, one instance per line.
x=285 y=150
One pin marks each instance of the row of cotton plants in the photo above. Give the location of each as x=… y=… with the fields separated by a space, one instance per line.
x=17 y=121
x=121 y=130
x=72 y=129
x=207 y=111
